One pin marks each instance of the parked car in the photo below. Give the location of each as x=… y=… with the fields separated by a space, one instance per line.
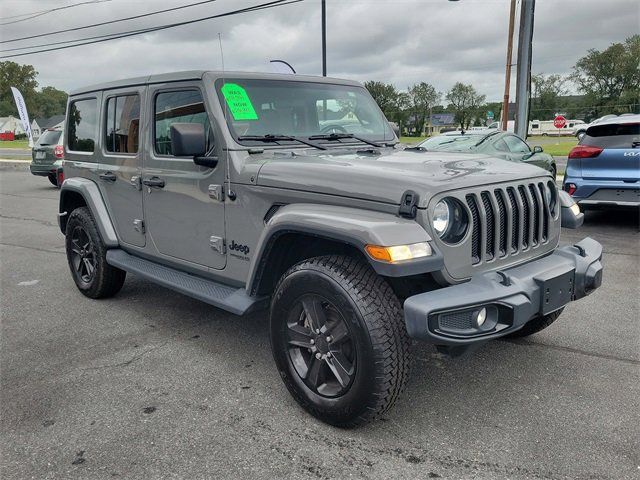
x=222 y=186
x=47 y=155
x=603 y=170
x=505 y=145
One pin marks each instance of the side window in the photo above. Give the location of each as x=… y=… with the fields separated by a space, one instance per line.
x=123 y=124
x=516 y=145
x=501 y=146
x=82 y=123
x=184 y=106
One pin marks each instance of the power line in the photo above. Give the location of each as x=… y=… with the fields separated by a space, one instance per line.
x=40 y=13
x=110 y=22
x=263 y=6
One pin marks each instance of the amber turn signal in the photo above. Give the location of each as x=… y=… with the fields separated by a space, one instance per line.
x=399 y=253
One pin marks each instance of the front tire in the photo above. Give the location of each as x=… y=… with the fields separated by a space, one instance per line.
x=536 y=325
x=339 y=340
x=86 y=255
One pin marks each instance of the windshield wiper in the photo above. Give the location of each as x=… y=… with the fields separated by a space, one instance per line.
x=338 y=136
x=278 y=138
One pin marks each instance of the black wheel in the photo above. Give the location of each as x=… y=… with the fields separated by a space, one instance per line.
x=338 y=339
x=53 y=178
x=554 y=172
x=536 y=325
x=86 y=255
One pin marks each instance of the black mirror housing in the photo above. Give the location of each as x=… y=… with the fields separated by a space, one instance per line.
x=537 y=149
x=188 y=140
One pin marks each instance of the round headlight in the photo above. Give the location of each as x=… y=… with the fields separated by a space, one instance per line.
x=450 y=220
x=441 y=217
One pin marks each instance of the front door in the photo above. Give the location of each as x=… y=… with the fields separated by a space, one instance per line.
x=120 y=163
x=183 y=221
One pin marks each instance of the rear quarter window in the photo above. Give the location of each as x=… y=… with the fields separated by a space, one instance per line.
x=613 y=135
x=82 y=122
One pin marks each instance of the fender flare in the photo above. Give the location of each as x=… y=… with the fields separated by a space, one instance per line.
x=352 y=226
x=93 y=198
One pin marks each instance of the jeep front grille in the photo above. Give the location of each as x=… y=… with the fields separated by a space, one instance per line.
x=511 y=217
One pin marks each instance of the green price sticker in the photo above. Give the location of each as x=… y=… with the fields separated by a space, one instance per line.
x=238 y=102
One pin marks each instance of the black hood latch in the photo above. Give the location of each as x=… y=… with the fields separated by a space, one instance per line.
x=409 y=204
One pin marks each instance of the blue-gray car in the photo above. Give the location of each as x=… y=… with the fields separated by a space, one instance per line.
x=603 y=170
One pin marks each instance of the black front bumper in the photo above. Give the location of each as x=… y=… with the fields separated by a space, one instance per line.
x=509 y=297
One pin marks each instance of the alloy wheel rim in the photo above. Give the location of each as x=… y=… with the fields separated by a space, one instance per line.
x=320 y=346
x=83 y=257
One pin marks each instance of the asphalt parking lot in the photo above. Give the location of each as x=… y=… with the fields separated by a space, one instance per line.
x=151 y=384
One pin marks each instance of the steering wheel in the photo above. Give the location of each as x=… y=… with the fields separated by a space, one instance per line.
x=333 y=129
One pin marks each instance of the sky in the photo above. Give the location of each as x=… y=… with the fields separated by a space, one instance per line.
x=397 y=41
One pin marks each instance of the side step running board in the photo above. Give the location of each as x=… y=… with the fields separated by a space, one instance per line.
x=234 y=300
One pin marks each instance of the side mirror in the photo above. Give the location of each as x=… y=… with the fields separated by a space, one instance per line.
x=188 y=140
x=570 y=214
x=537 y=149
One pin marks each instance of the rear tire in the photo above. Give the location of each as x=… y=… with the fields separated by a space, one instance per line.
x=86 y=255
x=536 y=325
x=356 y=367
x=53 y=178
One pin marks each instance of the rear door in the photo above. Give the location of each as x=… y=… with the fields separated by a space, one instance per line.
x=120 y=165
x=620 y=155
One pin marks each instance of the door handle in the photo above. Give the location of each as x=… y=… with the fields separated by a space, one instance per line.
x=108 y=177
x=153 y=182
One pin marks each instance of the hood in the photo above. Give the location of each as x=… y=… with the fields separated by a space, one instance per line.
x=386 y=176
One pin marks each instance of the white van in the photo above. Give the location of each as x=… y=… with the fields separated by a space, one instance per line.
x=545 y=127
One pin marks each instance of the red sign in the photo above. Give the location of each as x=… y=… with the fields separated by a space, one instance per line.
x=559 y=121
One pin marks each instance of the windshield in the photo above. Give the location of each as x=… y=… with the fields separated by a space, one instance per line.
x=258 y=107
x=452 y=143
x=50 y=137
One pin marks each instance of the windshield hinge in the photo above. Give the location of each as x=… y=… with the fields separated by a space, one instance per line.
x=409 y=204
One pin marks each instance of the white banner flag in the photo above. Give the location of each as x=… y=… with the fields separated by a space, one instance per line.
x=24 y=115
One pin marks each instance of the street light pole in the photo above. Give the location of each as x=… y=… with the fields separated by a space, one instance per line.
x=324 y=38
x=507 y=78
x=523 y=78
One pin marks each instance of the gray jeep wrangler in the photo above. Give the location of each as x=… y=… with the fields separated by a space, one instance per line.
x=255 y=191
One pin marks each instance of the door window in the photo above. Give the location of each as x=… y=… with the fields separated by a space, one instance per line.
x=186 y=106
x=500 y=146
x=123 y=124
x=82 y=125
x=516 y=145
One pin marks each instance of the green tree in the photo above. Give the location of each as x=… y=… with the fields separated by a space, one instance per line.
x=422 y=97
x=23 y=77
x=385 y=95
x=547 y=94
x=50 y=101
x=465 y=102
x=610 y=79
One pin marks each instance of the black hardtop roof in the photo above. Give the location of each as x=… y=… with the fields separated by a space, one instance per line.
x=198 y=74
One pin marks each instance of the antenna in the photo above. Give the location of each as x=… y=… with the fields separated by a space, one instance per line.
x=230 y=194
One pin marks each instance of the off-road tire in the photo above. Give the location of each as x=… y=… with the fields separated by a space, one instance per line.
x=536 y=325
x=374 y=315
x=53 y=178
x=106 y=280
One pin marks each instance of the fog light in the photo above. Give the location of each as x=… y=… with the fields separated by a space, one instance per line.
x=479 y=317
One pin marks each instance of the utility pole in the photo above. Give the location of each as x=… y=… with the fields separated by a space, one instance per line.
x=507 y=77
x=523 y=78
x=324 y=38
